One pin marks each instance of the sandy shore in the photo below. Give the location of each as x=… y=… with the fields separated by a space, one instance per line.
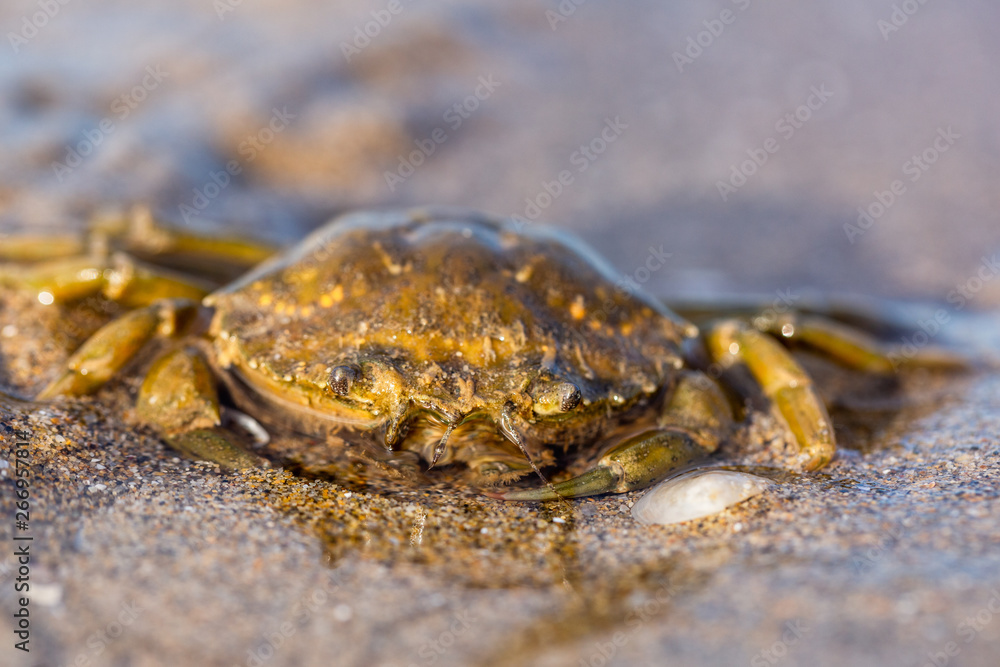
x=141 y=558
x=256 y=119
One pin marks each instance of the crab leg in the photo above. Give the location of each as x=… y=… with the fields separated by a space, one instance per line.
x=38 y=248
x=782 y=380
x=838 y=329
x=73 y=265
x=695 y=419
x=120 y=278
x=179 y=399
x=114 y=344
x=142 y=235
x=855 y=348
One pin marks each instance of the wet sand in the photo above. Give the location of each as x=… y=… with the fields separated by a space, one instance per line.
x=140 y=557
x=888 y=556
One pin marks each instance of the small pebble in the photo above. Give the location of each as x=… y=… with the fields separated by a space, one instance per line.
x=46 y=595
x=343 y=613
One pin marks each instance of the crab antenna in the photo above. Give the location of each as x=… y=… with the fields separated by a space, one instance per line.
x=507 y=428
x=439 y=449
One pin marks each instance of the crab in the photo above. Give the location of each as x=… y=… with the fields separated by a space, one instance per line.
x=459 y=337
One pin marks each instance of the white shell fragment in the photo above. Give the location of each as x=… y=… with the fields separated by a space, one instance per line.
x=696 y=494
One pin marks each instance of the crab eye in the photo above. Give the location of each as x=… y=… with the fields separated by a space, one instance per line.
x=555 y=397
x=570 y=396
x=341 y=379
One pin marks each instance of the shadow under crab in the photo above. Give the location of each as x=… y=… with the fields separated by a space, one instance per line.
x=444 y=335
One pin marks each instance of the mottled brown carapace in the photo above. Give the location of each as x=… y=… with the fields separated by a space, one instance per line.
x=452 y=320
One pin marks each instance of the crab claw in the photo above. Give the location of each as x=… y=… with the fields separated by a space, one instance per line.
x=638 y=462
x=602 y=479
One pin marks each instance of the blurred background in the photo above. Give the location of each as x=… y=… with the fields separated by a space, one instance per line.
x=637 y=125
x=768 y=147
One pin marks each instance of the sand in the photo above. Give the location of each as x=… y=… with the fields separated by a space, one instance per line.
x=888 y=556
